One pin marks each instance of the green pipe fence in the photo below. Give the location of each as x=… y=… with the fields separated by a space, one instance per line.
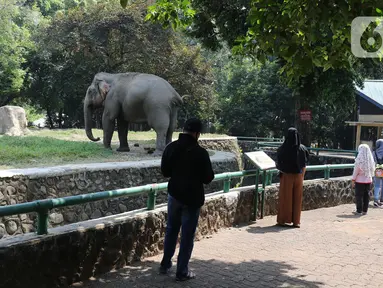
x=317 y=150
x=266 y=139
x=42 y=207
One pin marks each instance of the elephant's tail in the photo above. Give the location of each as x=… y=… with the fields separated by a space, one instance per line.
x=185 y=97
x=180 y=100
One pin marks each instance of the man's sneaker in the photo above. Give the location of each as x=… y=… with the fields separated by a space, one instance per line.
x=364 y=213
x=357 y=213
x=377 y=204
x=186 y=277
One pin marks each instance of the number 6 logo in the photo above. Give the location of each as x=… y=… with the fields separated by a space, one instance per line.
x=367 y=37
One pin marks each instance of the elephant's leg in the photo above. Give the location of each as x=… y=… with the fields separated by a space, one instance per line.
x=172 y=126
x=122 y=126
x=160 y=123
x=161 y=141
x=169 y=136
x=108 y=128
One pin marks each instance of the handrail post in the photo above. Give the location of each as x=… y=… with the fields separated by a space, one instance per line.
x=255 y=196
x=226 y=185
x=266 y=178
x=270 y=178
x=327 y=172
x=42 y=221
x=152 y=198
x=263 y=194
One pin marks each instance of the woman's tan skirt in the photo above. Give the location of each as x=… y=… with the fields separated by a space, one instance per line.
x=290 y=199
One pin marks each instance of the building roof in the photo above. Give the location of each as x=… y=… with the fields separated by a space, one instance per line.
x=372 y=92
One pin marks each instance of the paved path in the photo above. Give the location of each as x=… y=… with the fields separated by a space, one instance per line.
x=332 y=249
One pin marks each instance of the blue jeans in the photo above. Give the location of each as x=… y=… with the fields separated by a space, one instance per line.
x=187 y=217
x=377 y=189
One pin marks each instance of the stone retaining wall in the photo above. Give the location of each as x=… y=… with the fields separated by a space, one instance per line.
x=79 y=251
x=25 y=185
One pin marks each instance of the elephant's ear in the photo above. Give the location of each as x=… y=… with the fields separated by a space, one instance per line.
x=103 y=88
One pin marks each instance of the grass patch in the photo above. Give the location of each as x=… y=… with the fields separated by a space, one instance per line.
x=79 y=135
x=19 y=151
x=44 y=147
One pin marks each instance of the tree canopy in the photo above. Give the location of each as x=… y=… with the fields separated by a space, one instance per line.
x=304 y=34
x=80 y=42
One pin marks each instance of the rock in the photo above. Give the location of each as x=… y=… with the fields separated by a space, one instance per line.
x=96 y=214
x=56 y=218
x=43 y=189
x=122 y=208
x=109 y=214
x=13 y=121
x=22 y=188
x=2 y=231
x=11 y=227
x=27 y=228
x=23 y=217
x=1 y=196
x=88 y=209
x=70 y=217
x=84 y=217
x=11 y=190
x=136 y=145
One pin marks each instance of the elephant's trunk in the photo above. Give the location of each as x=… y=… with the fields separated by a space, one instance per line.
x=88 y=122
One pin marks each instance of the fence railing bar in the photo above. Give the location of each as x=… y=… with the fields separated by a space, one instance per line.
x=42 y=207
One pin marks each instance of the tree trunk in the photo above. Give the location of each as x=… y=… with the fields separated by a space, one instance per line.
x=304 y=126
x=51 y=124
x=60 y=118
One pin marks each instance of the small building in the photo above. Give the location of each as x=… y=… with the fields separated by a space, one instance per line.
x=369 y=122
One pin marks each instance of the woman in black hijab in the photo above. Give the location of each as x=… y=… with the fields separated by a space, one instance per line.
x=292 y=157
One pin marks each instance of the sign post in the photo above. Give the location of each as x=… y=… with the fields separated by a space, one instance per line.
x=261 y=160
x=264 y=163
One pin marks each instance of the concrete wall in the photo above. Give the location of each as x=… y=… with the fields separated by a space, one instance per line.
x=79 y=251
x=25 y=185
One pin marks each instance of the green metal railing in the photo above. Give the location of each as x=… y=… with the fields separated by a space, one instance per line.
x=317 y=150
x=42 y=207
x=265 y=139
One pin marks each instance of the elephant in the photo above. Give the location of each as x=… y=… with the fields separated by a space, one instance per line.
x=132 y=98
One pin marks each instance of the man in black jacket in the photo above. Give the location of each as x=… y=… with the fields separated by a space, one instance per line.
x=189 y=168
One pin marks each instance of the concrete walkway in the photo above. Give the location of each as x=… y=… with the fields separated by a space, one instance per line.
x=333 y=248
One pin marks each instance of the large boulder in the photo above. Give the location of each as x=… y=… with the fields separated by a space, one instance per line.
x=13 y=121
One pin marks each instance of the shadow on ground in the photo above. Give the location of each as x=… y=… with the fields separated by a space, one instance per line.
x=211 y=273
x=269 y=229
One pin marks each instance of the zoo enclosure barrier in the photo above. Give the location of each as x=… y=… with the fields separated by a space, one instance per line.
x=263 y=139
x=316 y=150
x=42 y=207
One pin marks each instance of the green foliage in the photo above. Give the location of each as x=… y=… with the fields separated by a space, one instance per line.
x=15 y=44
x=81 y=42
x=254 y=102
x=171 y=13
x=32 y=113
x=306 y=35
x=49 y=8
x=334 y=103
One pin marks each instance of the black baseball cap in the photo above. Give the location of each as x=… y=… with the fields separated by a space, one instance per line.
x=193 y=125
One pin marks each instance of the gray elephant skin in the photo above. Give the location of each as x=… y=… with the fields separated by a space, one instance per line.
x=132 y=98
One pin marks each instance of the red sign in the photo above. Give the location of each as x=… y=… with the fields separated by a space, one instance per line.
x=305 y=115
